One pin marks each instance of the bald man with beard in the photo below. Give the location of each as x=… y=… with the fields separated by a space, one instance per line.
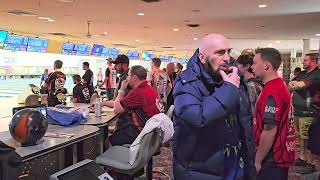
x=213 y=138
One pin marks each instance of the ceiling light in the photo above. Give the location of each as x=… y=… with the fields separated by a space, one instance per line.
x=105 y=33
x=140 y=14
x=42 y=17
x=262 y=6
x=195 y=39
x=137 y=40
x=269 y=45
x=50 y=20
x=175 y=29
x=174 y=48
x=278 y=42
x=317 y=34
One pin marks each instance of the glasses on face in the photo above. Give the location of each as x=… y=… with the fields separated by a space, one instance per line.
x=222 y=52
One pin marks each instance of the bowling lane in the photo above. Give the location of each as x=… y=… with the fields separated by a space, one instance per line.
x=13 y=87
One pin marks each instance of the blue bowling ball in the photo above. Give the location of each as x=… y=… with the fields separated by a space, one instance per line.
x=28 y=126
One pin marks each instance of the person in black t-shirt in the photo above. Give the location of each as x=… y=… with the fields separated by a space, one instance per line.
x=87 y=78
x=80 y=93
x=306 y=102
x=55 y=84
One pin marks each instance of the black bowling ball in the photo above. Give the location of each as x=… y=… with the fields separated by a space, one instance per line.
x=28 y=126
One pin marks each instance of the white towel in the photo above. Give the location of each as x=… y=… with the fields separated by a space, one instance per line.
x=161 y=121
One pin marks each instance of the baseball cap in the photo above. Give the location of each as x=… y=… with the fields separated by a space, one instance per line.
x=121 y=59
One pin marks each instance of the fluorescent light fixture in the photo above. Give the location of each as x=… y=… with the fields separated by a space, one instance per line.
x=278 y=42
x=137 y=40
x=317 y=34
x=50 y=20
x=195 y=38
x=105 y=33
x=44 y=18
x=269 y=45
x=140 y=14
x=262 y=6
x=175 y=29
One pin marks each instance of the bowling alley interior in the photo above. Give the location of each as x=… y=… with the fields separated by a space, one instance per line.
x=159 y=89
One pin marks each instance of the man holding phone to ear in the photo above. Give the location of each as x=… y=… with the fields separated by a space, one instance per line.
x=211 y=139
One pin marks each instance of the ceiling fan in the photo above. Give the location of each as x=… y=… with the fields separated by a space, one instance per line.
x=89 y=35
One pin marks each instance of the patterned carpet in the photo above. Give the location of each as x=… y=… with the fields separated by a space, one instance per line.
x=163 y=163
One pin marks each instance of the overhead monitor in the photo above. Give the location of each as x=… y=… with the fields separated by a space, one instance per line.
x=3 y=35
x=97 y=50
x=105 y=52
x=82 y=49
x=67 y=48
x=16 y=42
x=37 y=44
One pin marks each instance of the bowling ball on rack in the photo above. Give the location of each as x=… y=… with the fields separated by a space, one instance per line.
x=28 y=126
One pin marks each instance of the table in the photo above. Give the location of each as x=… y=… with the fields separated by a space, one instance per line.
x=47 y=156
x=102 y=122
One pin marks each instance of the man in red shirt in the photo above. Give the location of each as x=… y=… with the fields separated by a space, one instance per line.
x=273 y=121
x=134 y=108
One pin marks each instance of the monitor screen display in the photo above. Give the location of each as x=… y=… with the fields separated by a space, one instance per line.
x=37 y=45
x=184 y=60
x=133 y=55
x=3 y=35
x=148 y=56
x=82 y=49
x=16 y=42
x=164 y=58
x=129 y=54
x=136 y=55
x=38 y=42
x=105 y=52
x=97 y=49
x=174 y=60
x=67 y=48
x=36 y=49
x=113 y=53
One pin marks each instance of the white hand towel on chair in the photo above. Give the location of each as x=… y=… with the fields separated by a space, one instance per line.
x=161 y=121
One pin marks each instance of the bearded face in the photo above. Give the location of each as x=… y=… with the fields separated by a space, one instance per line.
x=212 y=66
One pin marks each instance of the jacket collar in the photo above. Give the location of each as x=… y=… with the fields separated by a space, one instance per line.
x=198 y=69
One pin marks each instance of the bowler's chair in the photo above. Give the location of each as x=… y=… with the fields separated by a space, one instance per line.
x=32 y=100
x=117 y=157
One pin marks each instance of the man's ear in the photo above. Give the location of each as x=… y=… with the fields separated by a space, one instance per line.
x=202 y=57
x=267 y=65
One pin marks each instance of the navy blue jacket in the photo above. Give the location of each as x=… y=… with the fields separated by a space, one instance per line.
x=201 y=106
